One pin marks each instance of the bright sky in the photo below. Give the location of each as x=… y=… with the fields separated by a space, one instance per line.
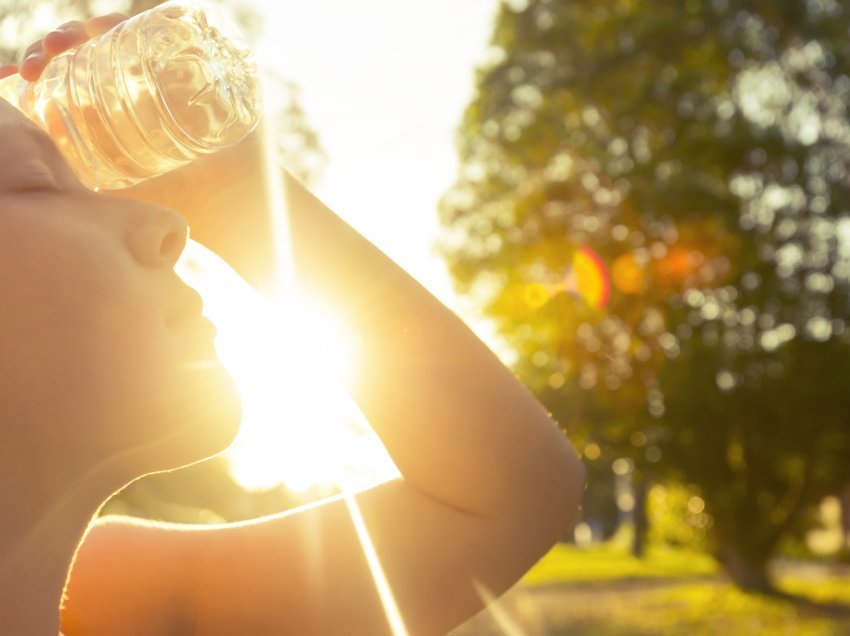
x=385 y=83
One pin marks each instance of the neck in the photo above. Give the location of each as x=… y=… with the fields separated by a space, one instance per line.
x=46 y=518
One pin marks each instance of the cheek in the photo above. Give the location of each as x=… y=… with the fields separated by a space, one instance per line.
x=109 y=353
x=157 y=392
x=80 y=368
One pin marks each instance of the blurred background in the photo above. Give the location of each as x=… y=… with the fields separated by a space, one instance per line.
x=643 y=207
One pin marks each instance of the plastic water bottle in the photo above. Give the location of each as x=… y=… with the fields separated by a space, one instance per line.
x=150 y=95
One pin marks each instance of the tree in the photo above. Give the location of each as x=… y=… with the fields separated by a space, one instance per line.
x=702 y=148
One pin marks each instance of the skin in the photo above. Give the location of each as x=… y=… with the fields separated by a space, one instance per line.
x=101 y=385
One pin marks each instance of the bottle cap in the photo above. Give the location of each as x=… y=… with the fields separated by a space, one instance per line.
x=204 y=73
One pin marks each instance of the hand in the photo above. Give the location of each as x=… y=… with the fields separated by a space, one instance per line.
x=224 y=198
x=185 y=189
x=66 y=36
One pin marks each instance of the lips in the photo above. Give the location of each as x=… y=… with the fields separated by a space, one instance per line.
x=203 y=325
x=191 y=307
x=196 y=333
x=197 y=337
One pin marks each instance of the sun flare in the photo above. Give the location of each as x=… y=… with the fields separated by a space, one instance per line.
x=299 y=428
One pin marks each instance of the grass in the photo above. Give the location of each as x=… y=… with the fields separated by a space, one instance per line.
x=829 y=590
x=701 y=609
x=604 y=591
x=568 y=564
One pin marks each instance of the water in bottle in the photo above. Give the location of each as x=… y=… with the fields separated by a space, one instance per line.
x=152 y=94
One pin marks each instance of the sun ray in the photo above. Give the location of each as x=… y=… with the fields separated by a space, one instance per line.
x=300 y=427
x=281 y=234
x=385 y=592
x=497 y=611
x=287 y=291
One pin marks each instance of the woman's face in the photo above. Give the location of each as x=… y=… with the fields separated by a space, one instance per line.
x=103 y=351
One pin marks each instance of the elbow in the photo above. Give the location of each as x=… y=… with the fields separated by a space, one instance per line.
x=555 y=508
x=567 y=496
x=550 y=487
x=548 y=497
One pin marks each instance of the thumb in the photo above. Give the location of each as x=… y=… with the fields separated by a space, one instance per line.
x=8 y=69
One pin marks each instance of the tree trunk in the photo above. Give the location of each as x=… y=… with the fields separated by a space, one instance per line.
x=844 y=497
x=747 y=572
x=641 y=521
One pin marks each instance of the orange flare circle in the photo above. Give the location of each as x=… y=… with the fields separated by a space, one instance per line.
x=627 y=275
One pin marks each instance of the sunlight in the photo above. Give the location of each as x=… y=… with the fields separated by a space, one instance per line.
x=289 y=358
x=384 y=590
x=300 y=428
x=508 y=626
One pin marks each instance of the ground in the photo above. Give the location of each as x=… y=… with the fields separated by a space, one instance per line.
x=600 y=592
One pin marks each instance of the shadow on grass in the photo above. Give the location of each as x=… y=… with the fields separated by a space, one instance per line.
x=830 y=609
x=643 y=583
x=603 y=592
x=642 y=606
x=594 y=628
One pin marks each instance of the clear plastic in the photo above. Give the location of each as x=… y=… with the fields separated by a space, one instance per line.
x=150 y=95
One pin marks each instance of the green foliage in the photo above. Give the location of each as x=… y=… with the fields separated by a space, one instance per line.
x=677 y=517
x=702 y=148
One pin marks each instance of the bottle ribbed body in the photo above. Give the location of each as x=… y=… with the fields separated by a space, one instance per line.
x=150 y=95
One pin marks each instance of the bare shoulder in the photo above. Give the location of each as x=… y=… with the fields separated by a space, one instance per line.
x=128 y=572
x=319 y=569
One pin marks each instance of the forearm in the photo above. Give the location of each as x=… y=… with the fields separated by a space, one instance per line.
x=459 y=426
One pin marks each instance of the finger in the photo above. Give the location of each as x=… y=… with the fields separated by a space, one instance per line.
x=8 y=69
x=33 y=62
x=102 y=23
x=35 y=47
x=65 y=37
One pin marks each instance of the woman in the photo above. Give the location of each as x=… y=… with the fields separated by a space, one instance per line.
x=108 y=373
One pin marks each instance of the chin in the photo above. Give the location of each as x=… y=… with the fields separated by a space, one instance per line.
x=219 y=414
x=198 y=421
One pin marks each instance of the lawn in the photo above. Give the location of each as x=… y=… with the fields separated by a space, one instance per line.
x=568 y=564
x=604 y=591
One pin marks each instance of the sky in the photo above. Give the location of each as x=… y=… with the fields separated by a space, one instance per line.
x=385 y=84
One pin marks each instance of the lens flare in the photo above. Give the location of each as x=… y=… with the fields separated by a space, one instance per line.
x=628 y=275
x=587 y=278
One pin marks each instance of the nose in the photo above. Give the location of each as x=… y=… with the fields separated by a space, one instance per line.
x=157 y=236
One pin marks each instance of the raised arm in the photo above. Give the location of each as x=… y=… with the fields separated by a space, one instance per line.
x=458 y=424
x=488 y=485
